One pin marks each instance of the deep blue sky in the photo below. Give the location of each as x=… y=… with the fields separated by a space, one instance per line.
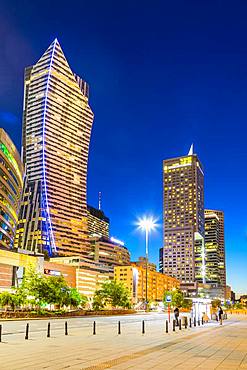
x=162 y=74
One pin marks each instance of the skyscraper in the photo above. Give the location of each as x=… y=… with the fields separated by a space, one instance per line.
x=98 y=223
x=183 y=207
x=11 y=182
x=215 y=249
x=57 y=122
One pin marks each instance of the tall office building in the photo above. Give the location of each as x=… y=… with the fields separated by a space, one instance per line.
x=98 y=223
x=183 y=206
x=215 y=249
x=57 y=121
x=11 y=182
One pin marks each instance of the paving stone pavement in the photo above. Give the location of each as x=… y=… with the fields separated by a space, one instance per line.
x=208 y=347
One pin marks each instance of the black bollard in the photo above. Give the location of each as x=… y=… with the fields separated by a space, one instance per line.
x=202 y=320
x=174 y=325
x=66 y=328
x=198 y=322
x=166 y=326
x=143 y=327
x=48 y=330
x=0 y=333
x=185 y=323
x=119 y=327
x=94 y=328
x=180 y=324
x=27 y=331
x=194 y=321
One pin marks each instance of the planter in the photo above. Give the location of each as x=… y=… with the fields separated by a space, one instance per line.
x=51 y=314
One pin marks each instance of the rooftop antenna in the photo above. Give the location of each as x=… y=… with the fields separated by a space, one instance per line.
x=191 y=151
x=99 y=200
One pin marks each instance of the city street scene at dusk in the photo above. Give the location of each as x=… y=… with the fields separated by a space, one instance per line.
x=123 y=228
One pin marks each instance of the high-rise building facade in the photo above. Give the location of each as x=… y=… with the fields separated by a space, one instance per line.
x=11 y=182
x=108 y=252
x=215 y=249
x=98 y=223
x=183 y=216
x=57 y=121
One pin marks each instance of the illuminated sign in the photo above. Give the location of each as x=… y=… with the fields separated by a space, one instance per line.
x=114 y=240
x=52 y=272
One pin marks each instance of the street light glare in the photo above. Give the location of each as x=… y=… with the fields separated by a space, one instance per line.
x=147 y=223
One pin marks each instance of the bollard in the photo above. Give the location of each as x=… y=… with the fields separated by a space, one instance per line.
x=94 y=328
x=0 y=333
x=185 y=323
x=119 y=327
x=198 y=322
x=202 y=321
x=27 y=331
x=66 y=328
x=194 y=321
x=180 y=324
x=166 y=326
x=48 y=330
x=143 y=327
x=190 y=323
x=174 y=325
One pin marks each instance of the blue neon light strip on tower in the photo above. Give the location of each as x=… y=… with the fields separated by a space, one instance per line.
x=53 y=248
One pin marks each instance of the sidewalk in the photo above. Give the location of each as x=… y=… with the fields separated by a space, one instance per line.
x=207 y=347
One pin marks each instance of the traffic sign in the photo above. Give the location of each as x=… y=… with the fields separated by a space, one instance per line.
x=168 y=298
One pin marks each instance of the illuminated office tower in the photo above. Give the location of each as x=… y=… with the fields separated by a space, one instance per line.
x=98 y=223
x=57 y=121
x=183 y=207
x=11 y=182
x=215 y=249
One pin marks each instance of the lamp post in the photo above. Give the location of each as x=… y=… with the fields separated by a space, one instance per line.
x=146 y=224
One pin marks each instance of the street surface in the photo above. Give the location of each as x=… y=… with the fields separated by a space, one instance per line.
x=210 y=346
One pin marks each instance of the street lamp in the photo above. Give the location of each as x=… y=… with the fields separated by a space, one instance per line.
x=147 y=224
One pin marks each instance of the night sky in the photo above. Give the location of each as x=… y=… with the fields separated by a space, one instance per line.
x=162 y=74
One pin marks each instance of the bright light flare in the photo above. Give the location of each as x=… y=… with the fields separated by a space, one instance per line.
x=147 y=224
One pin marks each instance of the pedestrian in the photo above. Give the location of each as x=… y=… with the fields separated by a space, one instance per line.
x=176 y=315
x=220 y=314
x=205 y=317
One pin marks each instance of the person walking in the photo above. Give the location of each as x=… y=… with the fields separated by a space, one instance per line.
x=220 y=314
x=176 y=315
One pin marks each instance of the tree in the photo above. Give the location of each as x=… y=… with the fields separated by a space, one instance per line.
x=40 y=290
x=55 y=290
x=228 y=305
x=6 y=300
x=76 y=299
x=98 y=303
x=238 y=306
x=112 y=294
x=31 y=286
x=216 y=303
x=187 y=303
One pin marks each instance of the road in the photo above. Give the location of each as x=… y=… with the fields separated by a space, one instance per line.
x=206 y=347
x=83 y=323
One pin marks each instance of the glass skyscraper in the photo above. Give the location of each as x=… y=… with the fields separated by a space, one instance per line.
x=215 y=249
x=11 y=182
x=57 y=122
